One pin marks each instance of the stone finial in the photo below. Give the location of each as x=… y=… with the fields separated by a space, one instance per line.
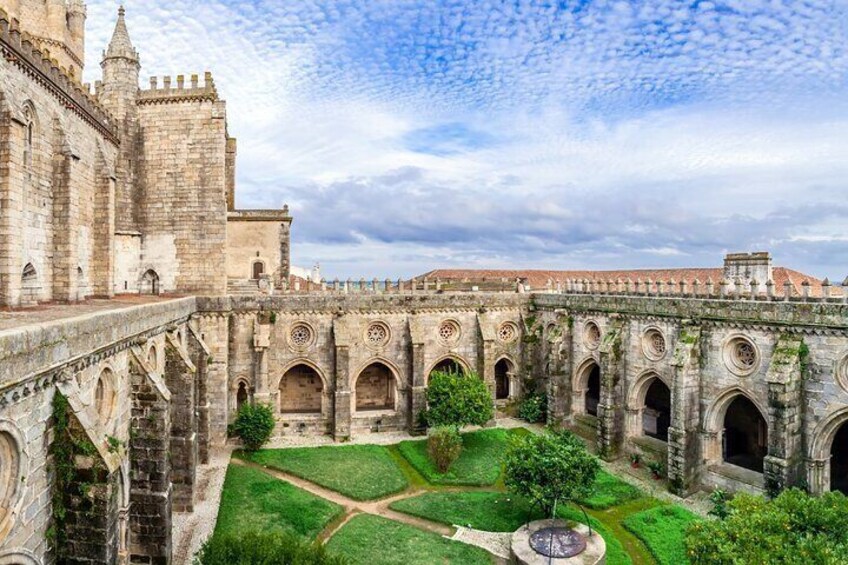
x=787 y=289
x=805 y=289
x=414 y=285
x=755 y=288
x=121 y=47
x=826 y=287
x=770 y=288
x=724 y=288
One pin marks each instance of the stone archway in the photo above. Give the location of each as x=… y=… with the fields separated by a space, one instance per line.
x=649 y=407
x=828 y=461
x=586 y=388
x=257 y=269
x=839 y=460
x=449 y=364
x=149 y=283
x=745 y=434
x=504 y=373
x=301 y=390
x=242 y=395
x=376 y=389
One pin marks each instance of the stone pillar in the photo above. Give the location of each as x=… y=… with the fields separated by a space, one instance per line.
x=65 y=217
x=201 y=355
x=782 y=466
x=610 y=407
x=11 y=203
x=419 y=389
x=818 y=475
x=487 y=353
x=560 y=342
x=682 y=436
x=150 y=466
x=342 y=413
x=91 y=515
x=180 y=379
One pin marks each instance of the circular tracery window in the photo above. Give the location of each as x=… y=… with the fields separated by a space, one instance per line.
x=9 y=477
x=654 y=345
x=448 y=331
x=508 y=332
x=842 y=373
x=741 y=356
x=301 y=335
x=592 y=335
x=377 y=334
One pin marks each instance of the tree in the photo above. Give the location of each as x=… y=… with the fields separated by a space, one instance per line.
x=457 y=400
x=254 y=425
x=259 y=548
x=549 y=468
x=792 y=528
x=444 y=445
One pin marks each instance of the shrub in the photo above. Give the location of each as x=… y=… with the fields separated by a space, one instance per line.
x=548 y=468
x=792 y=528
x=254 y=548
x=457 y=400
x=254 y=425
x=719 y=499
x=534 y=408
x=444 y=444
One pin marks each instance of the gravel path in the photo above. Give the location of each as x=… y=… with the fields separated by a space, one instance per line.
x=496 y=543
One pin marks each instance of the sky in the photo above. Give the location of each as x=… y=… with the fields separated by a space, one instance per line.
x=409 y=135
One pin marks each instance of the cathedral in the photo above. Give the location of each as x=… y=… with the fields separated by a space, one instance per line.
x=139 y=309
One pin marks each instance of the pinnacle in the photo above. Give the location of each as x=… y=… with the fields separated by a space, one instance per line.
x=121 y=45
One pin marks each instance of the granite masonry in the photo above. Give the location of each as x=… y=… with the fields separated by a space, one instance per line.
x=140 y=309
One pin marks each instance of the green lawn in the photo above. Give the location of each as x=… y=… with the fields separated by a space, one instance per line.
x=254 y=501
x=373 y=540
x=478 y=465
x=361 y=472
x=610 y=491
x=490 y=511
x=663 y=530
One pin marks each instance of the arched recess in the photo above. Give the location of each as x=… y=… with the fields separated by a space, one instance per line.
x=830 y=448
x=504 y=378
x=242 y=393
x=14 y=465
x=104 y=396
x=303 y=389
x=257 y=269
x=31 y=287
x=149 y=283
x=376 y=388
x=737 y=425
x=153 y=357
x=449 y=364
x=649 y=406
x=586 y=389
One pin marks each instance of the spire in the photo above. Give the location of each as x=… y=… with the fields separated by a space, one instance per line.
x=121 y=46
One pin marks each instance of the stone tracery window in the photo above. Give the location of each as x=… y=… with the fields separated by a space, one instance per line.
x=449 y=332
x=592 y=335
x=654 y=345
x=29 y=135
x=741 y=356
x=377 y=334
x=301 y=335
x=508 y=332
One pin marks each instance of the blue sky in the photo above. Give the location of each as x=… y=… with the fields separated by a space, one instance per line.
x=414 y=134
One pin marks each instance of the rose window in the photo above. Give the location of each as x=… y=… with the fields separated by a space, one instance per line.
x=654 y=344
x=592 y=335
x=741 y=356
x=746 y=355
x=301 y=335
x=377 y=334
x=448 y=331
x=507 y=332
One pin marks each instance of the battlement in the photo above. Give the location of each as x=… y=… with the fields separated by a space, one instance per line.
x=19 y=50
x=168 y=92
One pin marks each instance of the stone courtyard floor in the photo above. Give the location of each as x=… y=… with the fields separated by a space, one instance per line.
x=190 y=530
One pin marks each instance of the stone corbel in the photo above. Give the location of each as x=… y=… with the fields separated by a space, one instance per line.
x=178 y=347
x=85 y=415
x=155 y=378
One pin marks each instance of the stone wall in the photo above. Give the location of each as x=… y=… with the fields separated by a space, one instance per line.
x=258 y=236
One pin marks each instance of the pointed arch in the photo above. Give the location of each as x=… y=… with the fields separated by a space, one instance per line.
x=303 y=388
x=649 y=400
x=450 y=362
x=739 y=427
x=504 y=377
x=149 y=283
x=376 y=387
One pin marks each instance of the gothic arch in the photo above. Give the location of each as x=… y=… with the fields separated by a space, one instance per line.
x=736 y=431
x=639 y=389
x=714 y=420
x=315 y=402
x=825 y=433
x=581 y=375
x=460 y=362
x=304 y=361
x=504 y=377
x=586 y=390
x=391 y=396
x=649 y=406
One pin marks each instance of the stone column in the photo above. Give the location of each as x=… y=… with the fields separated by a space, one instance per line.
x=486 y=356
x=65 y=217
x=682 y=439
x=201 y=355
x=342 y=412
x=818 y=475
x=11 y=207
x=419 y=389
x=559 y=382
x=610 y=407
x=782 y=465
x=150 y=475
x=180 y=379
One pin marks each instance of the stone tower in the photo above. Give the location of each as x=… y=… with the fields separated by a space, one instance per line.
x=119 y=95
x=56 y=26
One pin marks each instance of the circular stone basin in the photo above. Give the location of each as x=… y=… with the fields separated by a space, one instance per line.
x=572 y=544
x=557 y=542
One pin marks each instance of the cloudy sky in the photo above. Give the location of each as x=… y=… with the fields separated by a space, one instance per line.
x=408 y=135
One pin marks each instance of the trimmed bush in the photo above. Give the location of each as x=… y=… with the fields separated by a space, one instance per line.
x=534 y=408
x=457 y=400
x=254 y=425
x=662 y=530
x=444 y=445
x=548 y=468
x=254 y=548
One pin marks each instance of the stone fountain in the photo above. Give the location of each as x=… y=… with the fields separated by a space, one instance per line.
x=558 y=542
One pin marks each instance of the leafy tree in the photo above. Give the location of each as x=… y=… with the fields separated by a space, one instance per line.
x=549 y=468
x=534 y=408
x=256 y=548
x=254 y=425
x=444 y=445
x=457 y=400
x=794 y=528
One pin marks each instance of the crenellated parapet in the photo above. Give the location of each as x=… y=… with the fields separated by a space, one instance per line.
x=169 y=91
x=20 y=50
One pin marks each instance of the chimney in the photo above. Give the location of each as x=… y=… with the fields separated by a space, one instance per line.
x=747 y=266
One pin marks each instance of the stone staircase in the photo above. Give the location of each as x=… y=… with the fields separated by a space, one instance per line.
x=242 y=287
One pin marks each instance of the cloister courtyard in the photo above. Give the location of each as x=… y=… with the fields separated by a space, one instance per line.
x=388 y=504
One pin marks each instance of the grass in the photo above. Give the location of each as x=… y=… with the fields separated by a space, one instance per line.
x=663 y=531
x=489 y=511
x=360 y=472
x=478 y=465
x=254 y=501
x=610 y=491
x=373 y=540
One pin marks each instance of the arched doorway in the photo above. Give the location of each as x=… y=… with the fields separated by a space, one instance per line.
x=301 y=391
x=656 y=415
x=592 y=396
x=503 y=370
x=448 y=365
x=375 y=389
x=839 y=461
x=745 y=440
x=150 y=283
x=242 y=396
x=258 y=269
